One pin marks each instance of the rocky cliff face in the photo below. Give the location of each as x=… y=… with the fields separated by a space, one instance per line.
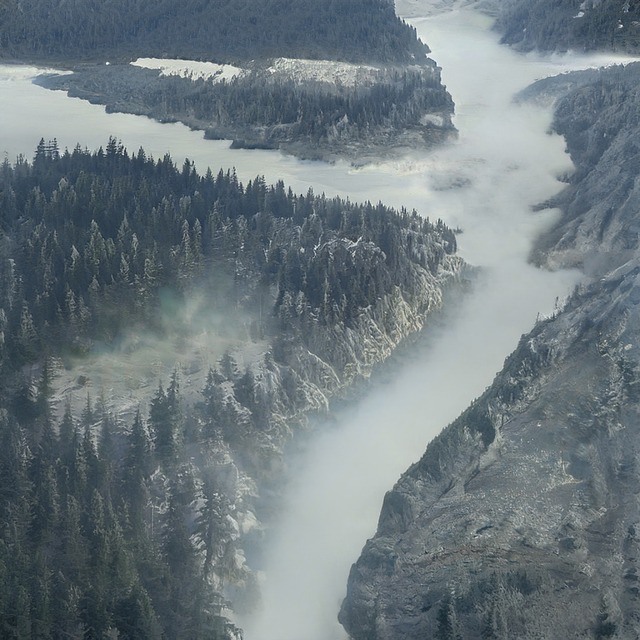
x=521 y=519
x=598 y=118
x=317 y=363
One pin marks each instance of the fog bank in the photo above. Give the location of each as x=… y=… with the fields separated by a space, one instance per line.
x=486 y=183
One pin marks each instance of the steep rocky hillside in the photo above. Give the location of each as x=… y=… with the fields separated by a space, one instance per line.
x=579 y=25
x=598 y=116
x=521 y=519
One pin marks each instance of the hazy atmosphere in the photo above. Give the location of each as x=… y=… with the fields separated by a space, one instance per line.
x=485 y=184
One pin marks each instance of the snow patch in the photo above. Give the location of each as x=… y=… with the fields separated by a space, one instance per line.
x=582 y=9
x=296 y=69
x=192 y=69
x=408 y=9
x=324 y=71
x=434 y=119
x=19 y=73
x=247 y=521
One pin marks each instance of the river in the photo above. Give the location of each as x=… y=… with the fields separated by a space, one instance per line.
x=485 y=183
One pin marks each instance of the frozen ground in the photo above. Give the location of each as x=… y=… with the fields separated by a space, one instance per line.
x=330 y=71
x=324 y=71
x=126 y=373
x=190 y=68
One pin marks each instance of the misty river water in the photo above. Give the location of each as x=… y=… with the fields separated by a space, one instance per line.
x=503 y=162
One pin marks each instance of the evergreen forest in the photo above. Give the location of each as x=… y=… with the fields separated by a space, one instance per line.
x=122 y=525
x=258 y=109
x=218 y=30
x=606 y=25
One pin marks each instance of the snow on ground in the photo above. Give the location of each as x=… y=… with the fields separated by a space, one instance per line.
x=419 y=8
x=190 y=68
x=324 y=71
x=126 y=374
x=19 y=73
x=341 y=73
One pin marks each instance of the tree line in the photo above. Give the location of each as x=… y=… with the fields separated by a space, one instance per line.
x=224 y=30
x=570 y=26
x=104 y=526
x=83 y=230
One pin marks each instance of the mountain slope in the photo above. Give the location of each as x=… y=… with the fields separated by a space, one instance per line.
x=588 y=25
x=598 y=118
x=521 y=519
x=224 y=315
x=219 y=30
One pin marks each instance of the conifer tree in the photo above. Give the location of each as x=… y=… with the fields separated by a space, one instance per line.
x=137 y=468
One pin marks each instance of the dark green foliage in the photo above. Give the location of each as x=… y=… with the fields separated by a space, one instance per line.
x=85 y=560
x=96 y=238
x=489 y=605
x=359 y=30
x=447 y=621
x=109 y=528
x=604 y=628
x=164 y=418
x=258 y=109
x=134 y=616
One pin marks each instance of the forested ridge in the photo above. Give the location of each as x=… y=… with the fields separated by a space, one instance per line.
x=259 y=108
x=589 y=25
x=129 y=528
x=271 y=110
x=82 y=230
x=219 y=30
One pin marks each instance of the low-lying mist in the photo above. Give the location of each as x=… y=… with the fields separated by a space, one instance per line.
x=191 y=332
x=485 y=184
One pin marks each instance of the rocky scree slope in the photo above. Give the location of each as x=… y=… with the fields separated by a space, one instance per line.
x=521 y=519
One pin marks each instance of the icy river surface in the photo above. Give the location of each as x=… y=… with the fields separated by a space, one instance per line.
x=485 y=183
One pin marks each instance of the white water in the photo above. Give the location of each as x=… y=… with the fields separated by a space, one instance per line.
x=506 y=162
